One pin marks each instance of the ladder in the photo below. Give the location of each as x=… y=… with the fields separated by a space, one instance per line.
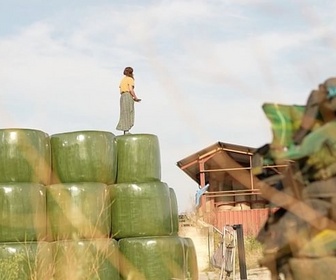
x=229 y=241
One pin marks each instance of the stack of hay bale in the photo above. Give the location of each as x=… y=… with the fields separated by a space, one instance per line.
x=88 y=205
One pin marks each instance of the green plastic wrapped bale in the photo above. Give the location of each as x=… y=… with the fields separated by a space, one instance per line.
x=96 y=259
x=191 y=258
x=25 y=156
x=22 y=212
x=78 y=210
x=174 y=210
x=285 y=121
x=152 y=258
x=84 y=156
x=138 y=158
x=26 y=261
x=140 y=210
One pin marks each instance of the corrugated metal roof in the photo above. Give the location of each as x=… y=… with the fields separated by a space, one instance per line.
x=190 y=165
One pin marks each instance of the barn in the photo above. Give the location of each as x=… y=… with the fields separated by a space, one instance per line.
x=228 y=192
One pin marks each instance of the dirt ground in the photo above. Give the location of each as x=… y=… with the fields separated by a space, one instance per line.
x=253 y=274
x=200 y=237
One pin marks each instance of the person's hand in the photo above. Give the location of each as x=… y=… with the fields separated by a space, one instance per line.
x=137 y=99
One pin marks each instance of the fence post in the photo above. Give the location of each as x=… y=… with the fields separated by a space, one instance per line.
x=241 y=251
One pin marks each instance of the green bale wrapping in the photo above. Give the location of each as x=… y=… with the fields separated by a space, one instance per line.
x=174 y=210
x=22 y=212
x=96 y=259
x=84 y=156
x=191 y=258
x=285 y=120
x=78 y=210
x=26 y=261
x=25 y=156
x=140 y=210
x=153 y=258
x=138 y=158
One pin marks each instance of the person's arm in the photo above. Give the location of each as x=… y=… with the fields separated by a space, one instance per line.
x=135 y=98
x=131 y=90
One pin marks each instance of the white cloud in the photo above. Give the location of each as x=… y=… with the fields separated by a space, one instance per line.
x=203 y=73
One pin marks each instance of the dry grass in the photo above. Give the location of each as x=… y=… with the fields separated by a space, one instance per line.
x=253 y=251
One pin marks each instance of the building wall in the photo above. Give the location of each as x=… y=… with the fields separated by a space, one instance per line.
x=251 y=220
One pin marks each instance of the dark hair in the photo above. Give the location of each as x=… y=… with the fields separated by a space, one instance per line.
x=128 y=72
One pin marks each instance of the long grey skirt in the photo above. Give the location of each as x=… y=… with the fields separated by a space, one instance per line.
x=126 y=119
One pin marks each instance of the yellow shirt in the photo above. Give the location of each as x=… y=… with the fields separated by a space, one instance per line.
x=126 y=83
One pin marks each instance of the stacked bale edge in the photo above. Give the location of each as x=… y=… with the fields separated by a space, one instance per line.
x=24 y=173
x=174 y=211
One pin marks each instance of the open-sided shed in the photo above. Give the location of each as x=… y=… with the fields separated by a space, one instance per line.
x=228 y=190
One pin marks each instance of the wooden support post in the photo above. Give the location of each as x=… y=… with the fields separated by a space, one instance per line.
x=241 y=251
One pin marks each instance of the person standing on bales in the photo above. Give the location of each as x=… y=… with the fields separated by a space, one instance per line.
x=127 y=99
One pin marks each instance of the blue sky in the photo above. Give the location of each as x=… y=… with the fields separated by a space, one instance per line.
x=203 y=68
